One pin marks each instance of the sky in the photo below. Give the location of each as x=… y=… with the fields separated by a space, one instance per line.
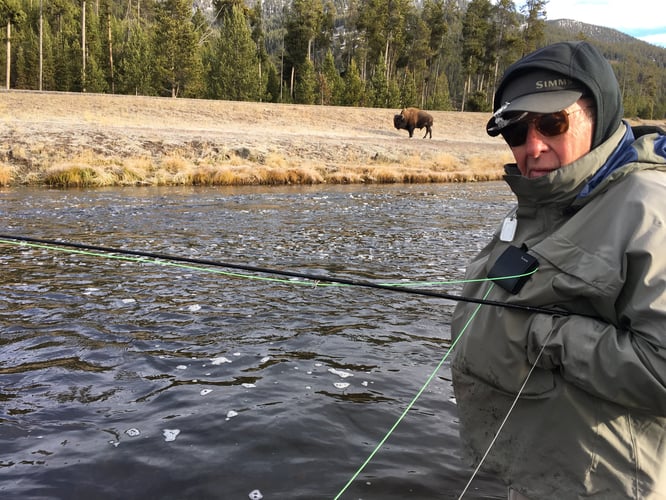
x=644 y=19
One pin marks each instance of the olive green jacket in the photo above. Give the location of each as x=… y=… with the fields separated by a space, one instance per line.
x=591 y=419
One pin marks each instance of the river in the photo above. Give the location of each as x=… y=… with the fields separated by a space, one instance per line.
x=143 y=379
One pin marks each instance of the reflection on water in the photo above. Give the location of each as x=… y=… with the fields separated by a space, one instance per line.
x=125 y=379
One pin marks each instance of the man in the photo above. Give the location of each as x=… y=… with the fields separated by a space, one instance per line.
x=582 y=381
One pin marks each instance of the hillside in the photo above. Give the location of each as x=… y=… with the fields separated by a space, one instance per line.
x=614 y=44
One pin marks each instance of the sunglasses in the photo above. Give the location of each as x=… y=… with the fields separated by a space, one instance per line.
x=549 y=125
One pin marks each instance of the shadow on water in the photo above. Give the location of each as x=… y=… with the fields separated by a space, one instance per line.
x=137 y=380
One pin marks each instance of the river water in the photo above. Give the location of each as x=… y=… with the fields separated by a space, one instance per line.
x=140 y=380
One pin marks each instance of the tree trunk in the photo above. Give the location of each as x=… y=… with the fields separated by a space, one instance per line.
x=41 y=43
x=9 y=52
x=113 y=85
x=83 y=46
x=291 y=84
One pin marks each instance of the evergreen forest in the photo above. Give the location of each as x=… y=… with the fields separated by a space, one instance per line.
x=433 y=54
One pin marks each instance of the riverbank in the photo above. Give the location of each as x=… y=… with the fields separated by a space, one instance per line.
x=70 y=140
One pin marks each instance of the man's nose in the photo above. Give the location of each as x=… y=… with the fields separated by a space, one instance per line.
x=534 y=144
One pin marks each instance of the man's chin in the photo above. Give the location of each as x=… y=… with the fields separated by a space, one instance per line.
x=538 y=172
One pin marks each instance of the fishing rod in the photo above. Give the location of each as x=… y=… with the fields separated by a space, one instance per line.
x=317 y=278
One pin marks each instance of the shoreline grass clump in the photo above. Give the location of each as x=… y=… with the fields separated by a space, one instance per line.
x=6 y=175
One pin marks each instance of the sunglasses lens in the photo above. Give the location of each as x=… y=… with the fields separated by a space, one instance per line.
x=549 y=125
x=516 y=134
x=553 y=124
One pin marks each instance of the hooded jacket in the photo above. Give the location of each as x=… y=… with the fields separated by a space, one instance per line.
x=591 y=420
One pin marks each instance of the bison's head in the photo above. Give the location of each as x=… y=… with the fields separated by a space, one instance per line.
x=398 y=121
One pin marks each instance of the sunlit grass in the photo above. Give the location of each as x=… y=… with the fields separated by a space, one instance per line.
x=273 y=170
x=73 y=176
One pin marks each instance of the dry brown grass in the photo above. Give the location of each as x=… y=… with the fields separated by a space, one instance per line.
x=89 y=140
x=6 y=175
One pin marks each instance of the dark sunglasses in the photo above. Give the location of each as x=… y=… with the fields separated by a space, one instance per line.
x=550 y=125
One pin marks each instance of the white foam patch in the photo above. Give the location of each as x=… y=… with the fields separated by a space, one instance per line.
x=128 y=301
x=340 y=373
x=255 y=495
x=194 y=308
x=341 y=385
x=247 y=385
x=133 y=432
x=219 y=360
x=231 y=414
x=181 y=367
x=205 y=391
x=170 y=434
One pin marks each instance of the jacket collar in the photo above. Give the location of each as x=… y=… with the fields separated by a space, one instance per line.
x=561 y=187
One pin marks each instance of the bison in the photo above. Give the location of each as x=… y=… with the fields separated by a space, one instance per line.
x=411 y=118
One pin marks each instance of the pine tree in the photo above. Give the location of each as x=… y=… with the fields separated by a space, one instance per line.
x=440 y=98
x=175 y=46
x=476 y=29
x=354 y=87
x=95 y=79
x=234 y=67
x=307 y=24
x=533 y=34
x=383 y=27
x=379 y=86
x=26 y=65
x=408 y=93
x=305 y=89
x=505 y=43
x=330 y=86
x=134 y=61
x=272 y=84
x=11 y=13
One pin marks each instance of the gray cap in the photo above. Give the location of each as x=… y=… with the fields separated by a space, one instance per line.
x=539 y=91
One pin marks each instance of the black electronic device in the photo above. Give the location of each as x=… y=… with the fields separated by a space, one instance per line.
x=513 y=268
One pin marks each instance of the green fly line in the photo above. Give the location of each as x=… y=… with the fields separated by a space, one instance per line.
x=192 y=267
x=295 y=278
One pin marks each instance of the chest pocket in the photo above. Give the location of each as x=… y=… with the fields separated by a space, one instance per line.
x=575 y=274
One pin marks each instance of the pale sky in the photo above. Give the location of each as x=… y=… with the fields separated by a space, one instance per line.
x=644 y=19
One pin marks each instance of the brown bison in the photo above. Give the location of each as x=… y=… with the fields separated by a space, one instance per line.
x=411 y=118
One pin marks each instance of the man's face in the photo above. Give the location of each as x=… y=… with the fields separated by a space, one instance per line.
x=540 y=154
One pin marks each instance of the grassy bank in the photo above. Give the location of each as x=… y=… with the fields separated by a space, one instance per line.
x=83 y=140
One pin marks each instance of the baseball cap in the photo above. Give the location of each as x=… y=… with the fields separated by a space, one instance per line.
x=538 y=91
x=582 y=69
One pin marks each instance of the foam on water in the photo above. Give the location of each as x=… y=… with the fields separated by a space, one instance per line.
x=170 y=434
